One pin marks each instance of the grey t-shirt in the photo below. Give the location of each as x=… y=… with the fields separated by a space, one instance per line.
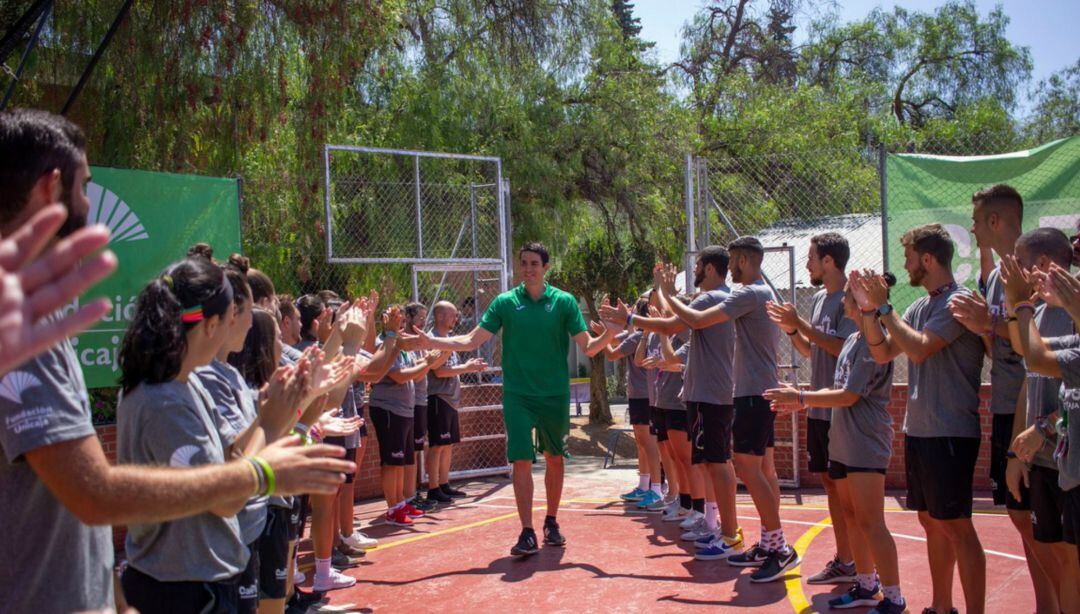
x=1006 y=367
x=48 y=558
x=398 y=399
x=446 y=388
x=234 y=401
x=652 y=350
x=1042 y=391
x=175 y=424
x=1069 y=462
x=637 y=386
x=289 y=355
x=420 y=387
x=353 y=405
x=710 y=367
x=943 y=391
x=861 y=435
x=826 y=316
x=669 y=384
x=756 y=339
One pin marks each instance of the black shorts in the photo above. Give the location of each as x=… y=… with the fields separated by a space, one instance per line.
x=753 y=426
x=420 y=427
x=444 y=425
x=1047 y=505
x=247 y=586
x=297 y=516
x=817 y=445
x=710 y=432
x=394 y=433
x=274 y=553
x=639 y=411
x=658 y=423
x=840 y=471
x=1000 y=440
x=350 y=455
x=675 y=420
x=1070 y=519
x=940 y=472
x=151 y=596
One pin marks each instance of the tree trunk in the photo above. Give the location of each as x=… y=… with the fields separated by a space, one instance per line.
x=599 y=408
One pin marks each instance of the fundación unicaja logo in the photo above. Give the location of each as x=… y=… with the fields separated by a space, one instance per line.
x=107 y=208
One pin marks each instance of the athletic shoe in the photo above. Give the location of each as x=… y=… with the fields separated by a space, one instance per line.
x=835 y=572
x=933 y=611
x=300 y=602
x=887 y=607
x=399 y=517
x=452 y=493
x=348 y=550
x=856 y=597
x=735 y=544
x=526 y=544
x=719 y=548
x=298 y=577
x=333 y=581
x=776 y=565
x=649 y=498
x=689 y=522
x=698 y=531
x=659 y=505
x=677 y=515
x=412 y=511
x=360 y=541
x=340 y=560
x=422 y=504
x=754 y=557
x=633 y=496
x=552 y=537
x=438 y=496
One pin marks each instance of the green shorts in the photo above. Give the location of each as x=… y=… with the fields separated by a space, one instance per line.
x=550 y=416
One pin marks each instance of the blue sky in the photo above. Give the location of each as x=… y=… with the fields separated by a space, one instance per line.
x=1046 y=27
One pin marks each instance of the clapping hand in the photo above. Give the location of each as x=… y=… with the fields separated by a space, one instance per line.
x=972 y=311
x=784 y=315
x=783 y=400
x=1019 y=285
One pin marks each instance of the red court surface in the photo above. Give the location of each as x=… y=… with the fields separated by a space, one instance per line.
x=620 y=560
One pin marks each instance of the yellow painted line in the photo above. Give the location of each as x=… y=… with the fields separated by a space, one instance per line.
x=793 y=584
x=464 y=527
x=805 y=506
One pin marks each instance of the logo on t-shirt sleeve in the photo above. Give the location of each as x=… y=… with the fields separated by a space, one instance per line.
x=16 y=383
x=181 y=457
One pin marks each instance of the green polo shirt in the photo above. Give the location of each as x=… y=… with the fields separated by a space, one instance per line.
x=536 y=339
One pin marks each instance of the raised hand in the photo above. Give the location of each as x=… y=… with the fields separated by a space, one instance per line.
x=300 y=469
x=614 y=313
x=668 y=273
x=784 y=315
x=783 y=400
x=476 y=365
x=875 y=287
x=972 y=311
x=1018 y=284
x=862 y=299
x=1063 y=289
x=597 y=327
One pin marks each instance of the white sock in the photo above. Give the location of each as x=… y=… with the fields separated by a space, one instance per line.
x=866 y=581
x=656 y=489
x=773 y=541
x=893 y=594
x=322 y=568
x=643 y=481
x=712 y=515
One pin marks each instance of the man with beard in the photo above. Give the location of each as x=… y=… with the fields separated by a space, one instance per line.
x=821 y=340
x=53 y=471
x=941 y=424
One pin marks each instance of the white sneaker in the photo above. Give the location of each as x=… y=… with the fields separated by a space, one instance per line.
x=690 y=520
x=675 y=515
x=699 y=531
x=360 y=541
x=332 y=582
x=298 y=577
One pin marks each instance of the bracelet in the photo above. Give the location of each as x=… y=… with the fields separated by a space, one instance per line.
x=260 y=475
x=389 y=334
x=802 y=398
x=271 y=480
x=629 y=319
x=792 y=333
x=1023 y=305
x=1010 y=319
x=867 y=312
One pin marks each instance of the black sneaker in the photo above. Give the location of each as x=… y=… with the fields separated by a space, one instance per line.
x=754 y=557
x=339 y=560
x=552 y=537
x=776 y=565
x=452 y=493
x=300 y=602
x=933 y=611
x=438 y=496
x=349 y=551
x=526 y=544
x=423 y=504
x=887 y=607
x=856 y=597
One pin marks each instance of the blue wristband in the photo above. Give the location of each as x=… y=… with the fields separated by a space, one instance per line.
x=629 y=319
x=389 y=334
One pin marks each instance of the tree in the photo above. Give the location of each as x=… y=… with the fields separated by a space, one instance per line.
x=624 y=14
x=1056 y=111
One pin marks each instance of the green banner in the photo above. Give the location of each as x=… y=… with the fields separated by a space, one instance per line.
x=923 y=189
x=154 y=218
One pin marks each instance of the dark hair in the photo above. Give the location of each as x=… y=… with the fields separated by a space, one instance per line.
x=717 y=256
x=201 y=250
x=1000 y=196
x=262 y=287
x=535 y=247
x=33 y=143
x=412 y=309
x=641 y=307
x=328 y=296
x=832 y=244
x=256 y=361
x=1049 y=242
x=287 y=306
x=930 y=239
x=240 y=287
x=751 y=246
x=310 y=307
x=156 y=341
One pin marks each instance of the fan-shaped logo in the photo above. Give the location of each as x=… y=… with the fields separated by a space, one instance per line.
x=107 y=208
x=15 y=383
x=183 y=455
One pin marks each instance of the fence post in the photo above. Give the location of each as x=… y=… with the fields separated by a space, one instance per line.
x=884 y=209
x=691 y=239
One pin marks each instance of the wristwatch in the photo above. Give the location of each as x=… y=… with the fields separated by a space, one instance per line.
x=884 y=310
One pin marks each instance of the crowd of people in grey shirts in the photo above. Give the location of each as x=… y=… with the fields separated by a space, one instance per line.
x=240 y=409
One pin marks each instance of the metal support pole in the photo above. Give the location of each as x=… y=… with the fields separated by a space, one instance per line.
x=26 y=54
x=419 y=211
x=326 y=205
x=691 y=238
x=124 y=10
x=504 y=225
x=884 y=209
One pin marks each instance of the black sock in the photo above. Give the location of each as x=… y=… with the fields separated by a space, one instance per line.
x=699 y=505
x=445 y=488
x=549 y=519
x=685 y=501
x=432 y=491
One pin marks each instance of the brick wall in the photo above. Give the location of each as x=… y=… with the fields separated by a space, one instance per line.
x=894 y=478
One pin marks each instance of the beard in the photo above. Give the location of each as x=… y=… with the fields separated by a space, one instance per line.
x=817 y=282
x=698 y=278
x=915 y=277
x=75 y=219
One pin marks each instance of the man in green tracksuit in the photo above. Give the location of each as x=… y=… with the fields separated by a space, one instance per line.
x=538 y=321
